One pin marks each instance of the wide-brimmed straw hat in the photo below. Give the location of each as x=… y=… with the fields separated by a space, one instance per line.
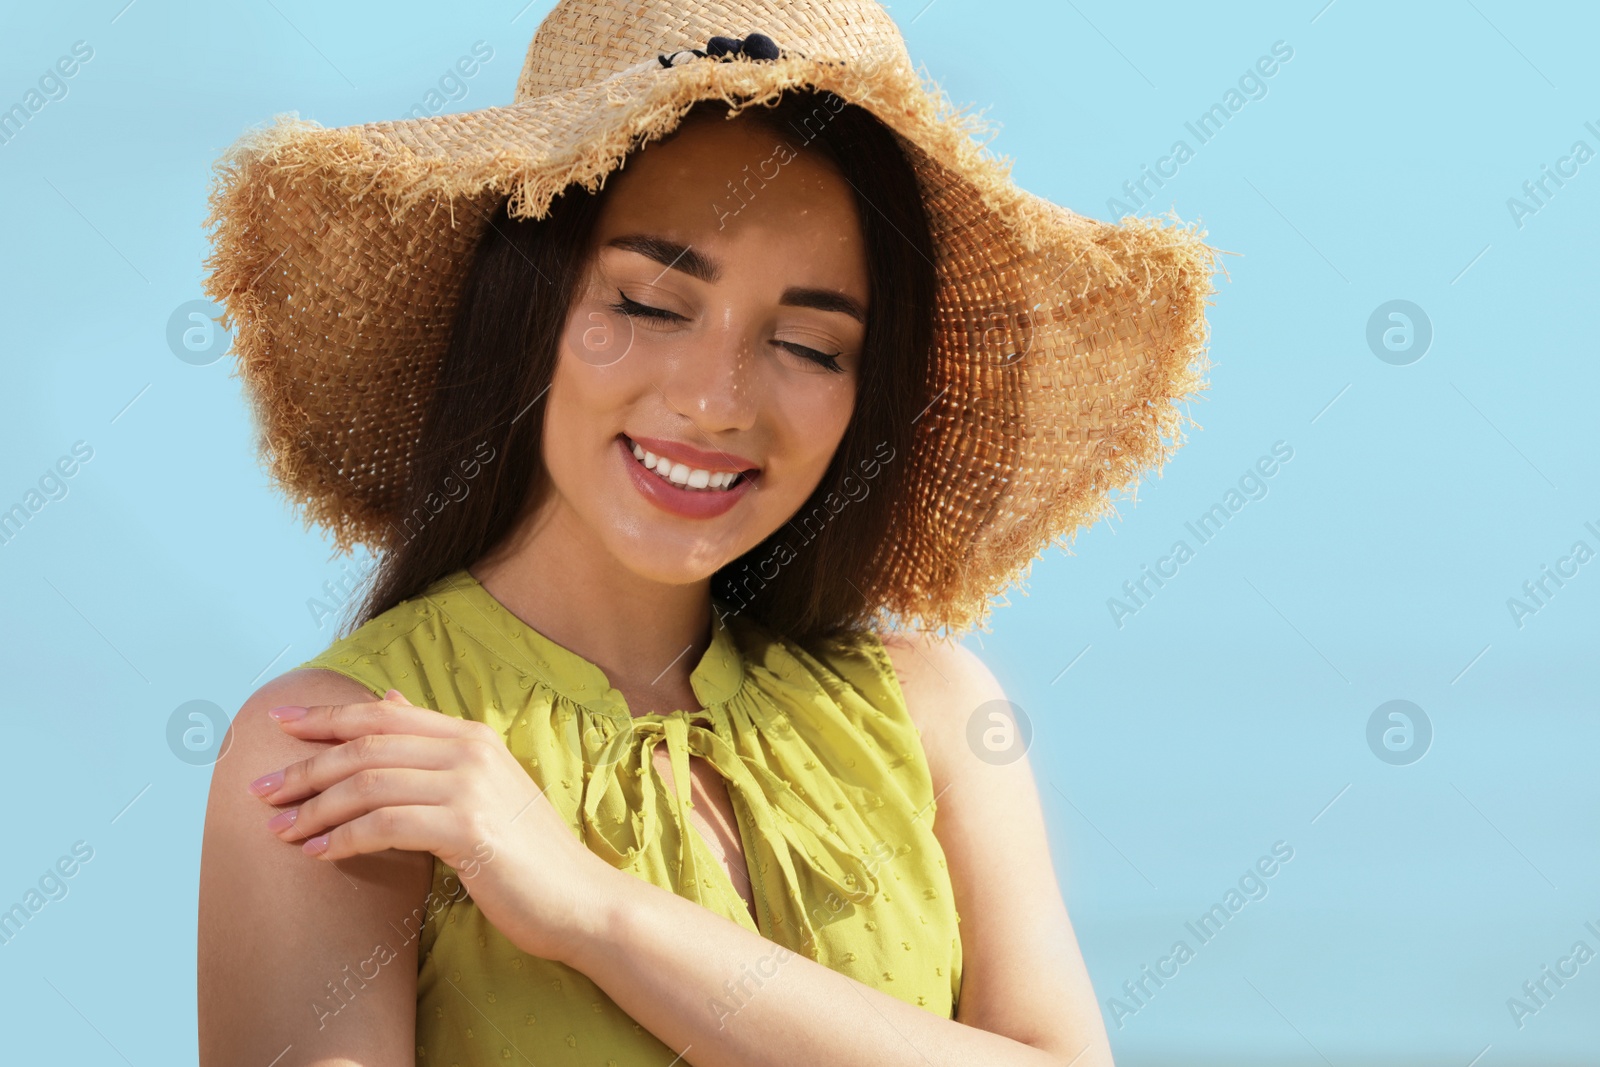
x=1063 y=345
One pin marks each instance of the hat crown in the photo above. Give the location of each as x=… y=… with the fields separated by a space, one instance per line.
x=581 y=41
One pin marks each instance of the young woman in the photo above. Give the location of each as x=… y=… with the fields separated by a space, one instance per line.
x=614 y=769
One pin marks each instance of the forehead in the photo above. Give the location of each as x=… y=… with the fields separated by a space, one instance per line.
x=739 y=186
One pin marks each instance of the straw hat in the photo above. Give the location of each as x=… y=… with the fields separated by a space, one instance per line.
x=1063 y=345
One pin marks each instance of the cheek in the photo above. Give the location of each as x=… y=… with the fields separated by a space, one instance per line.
x=582 y=408
x=599 y=371
x=597 y=337
x=815 y=415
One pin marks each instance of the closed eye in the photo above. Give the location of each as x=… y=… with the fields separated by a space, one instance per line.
x=634 y=309
x=822 y=359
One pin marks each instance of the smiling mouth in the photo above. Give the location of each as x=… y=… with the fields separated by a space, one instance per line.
x=683 y=476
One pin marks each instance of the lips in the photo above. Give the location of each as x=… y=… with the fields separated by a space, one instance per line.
x=696 y=458
x=682 y=476
x=685 y=502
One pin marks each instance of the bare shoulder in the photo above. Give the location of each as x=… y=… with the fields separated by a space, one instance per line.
x=294 y=950
x=1022 y=971
x=917 y=653
x=945 y=684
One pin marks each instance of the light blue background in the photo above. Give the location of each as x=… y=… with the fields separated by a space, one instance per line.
x=1229 y=713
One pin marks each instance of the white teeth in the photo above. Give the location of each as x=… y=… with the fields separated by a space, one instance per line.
x=682 y=475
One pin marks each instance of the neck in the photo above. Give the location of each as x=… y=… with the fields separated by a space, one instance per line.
x=646 y=636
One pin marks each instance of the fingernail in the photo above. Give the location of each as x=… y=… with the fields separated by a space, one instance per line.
x=283 y=820
x=287 y=713
x=266 y=783
x=316 y=844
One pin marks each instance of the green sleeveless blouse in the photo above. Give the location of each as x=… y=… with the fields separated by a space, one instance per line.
x=824 y=768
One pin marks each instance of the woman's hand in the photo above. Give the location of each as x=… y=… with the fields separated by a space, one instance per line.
x=410 y=778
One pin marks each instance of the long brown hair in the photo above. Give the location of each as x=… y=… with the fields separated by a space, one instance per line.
x=477 y=470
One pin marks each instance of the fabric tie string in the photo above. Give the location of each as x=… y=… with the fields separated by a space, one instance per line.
x=779 y=814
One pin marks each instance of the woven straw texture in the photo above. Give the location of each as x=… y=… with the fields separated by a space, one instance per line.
x=1064 y=346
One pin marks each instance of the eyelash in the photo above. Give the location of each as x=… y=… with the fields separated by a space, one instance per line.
x=634 y=309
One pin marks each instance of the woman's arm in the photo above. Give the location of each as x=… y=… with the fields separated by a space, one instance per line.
x=1025 y=1001
x=1022 y=971
x=311 y=961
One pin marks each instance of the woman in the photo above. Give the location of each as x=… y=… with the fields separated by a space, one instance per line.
x=629 y=570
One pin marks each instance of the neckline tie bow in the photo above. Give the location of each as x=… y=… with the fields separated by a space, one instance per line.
x=807 y=850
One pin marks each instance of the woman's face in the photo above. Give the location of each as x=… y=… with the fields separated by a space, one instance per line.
x=727 y=276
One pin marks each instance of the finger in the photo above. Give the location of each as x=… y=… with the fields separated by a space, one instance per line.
x=397 y=696
x=360 y=755
x=414 y=828
x=344 y=721
x=361 y=793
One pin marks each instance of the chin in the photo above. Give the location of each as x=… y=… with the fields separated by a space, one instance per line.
x=668 y=569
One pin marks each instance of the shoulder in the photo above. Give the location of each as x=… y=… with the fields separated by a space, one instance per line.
x=339 y=910
x=389 y=632
x=253 y=732
x=944 y=685
x=255 y=745
x=394 y=649
x=918 y=692
x=843 y=680
x=937 y=664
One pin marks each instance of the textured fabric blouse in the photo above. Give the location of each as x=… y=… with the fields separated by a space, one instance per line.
x=825 y=771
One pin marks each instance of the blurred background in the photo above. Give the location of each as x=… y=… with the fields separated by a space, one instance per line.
x=1372 y=661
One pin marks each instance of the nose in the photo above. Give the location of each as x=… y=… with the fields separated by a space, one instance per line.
x=715 y=379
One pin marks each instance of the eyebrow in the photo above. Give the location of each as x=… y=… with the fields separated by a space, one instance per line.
x=681 y=257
